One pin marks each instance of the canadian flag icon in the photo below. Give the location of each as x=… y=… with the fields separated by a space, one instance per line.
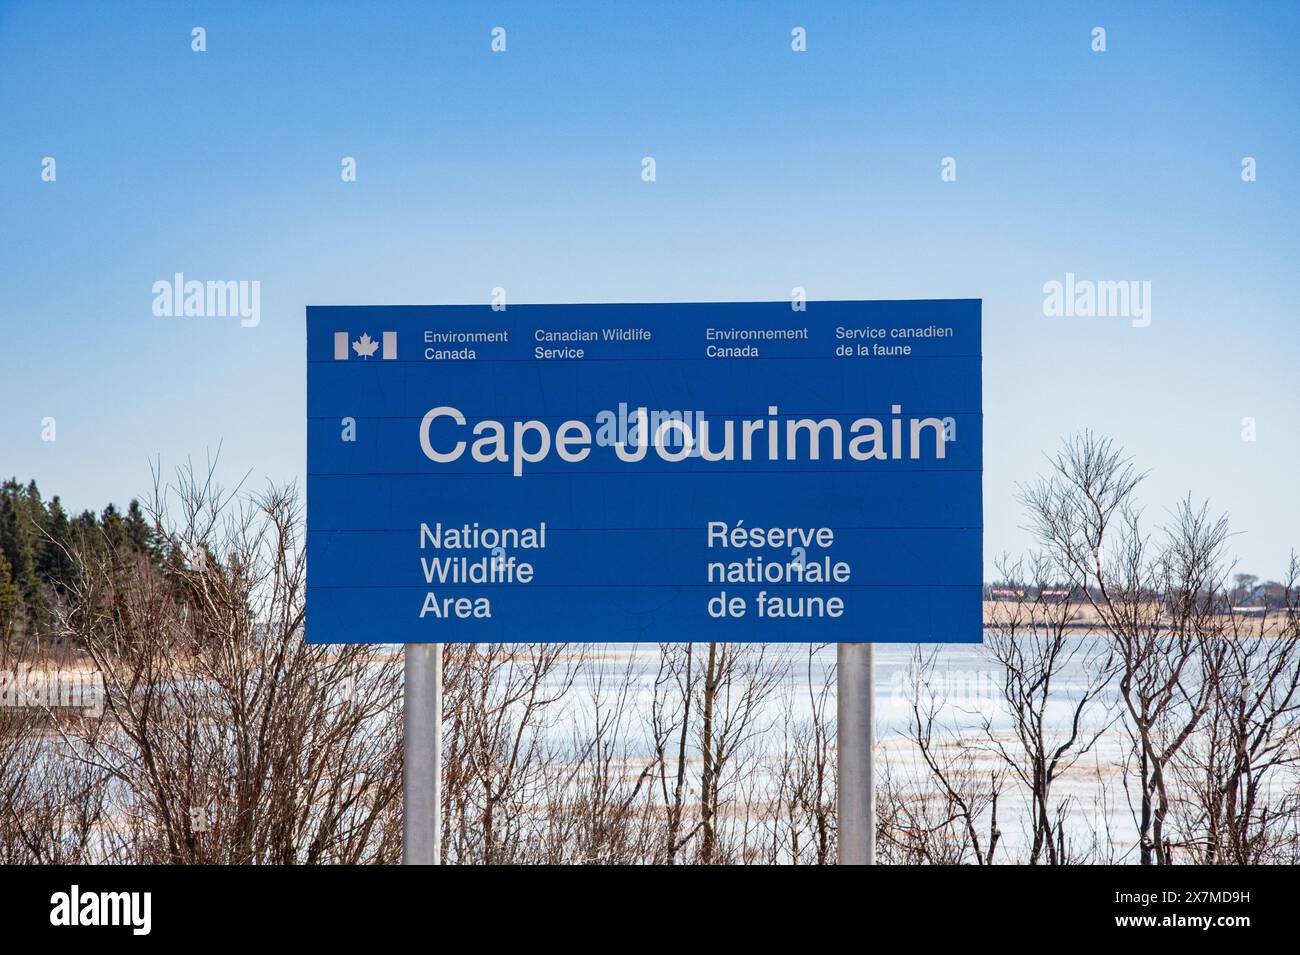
x=364 y=346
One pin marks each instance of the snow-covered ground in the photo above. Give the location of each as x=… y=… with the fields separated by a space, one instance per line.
x=965 y=684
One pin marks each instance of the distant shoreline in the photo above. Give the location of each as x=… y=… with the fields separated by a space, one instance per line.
x=1086 y=620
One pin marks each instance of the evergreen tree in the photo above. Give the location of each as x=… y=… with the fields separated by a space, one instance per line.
x=36 y=544
x=114 y=530
x=21 y=519
x=12 y=610
x=55 y=564
x=138 y=531
x=85 y=531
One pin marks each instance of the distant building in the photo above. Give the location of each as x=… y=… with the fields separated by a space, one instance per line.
x=1251 y=611
x=1269 y=594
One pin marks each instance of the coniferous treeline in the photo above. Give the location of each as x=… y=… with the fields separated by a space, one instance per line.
x=37 y=539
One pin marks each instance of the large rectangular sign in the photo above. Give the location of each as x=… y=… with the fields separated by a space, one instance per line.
x=721 y=471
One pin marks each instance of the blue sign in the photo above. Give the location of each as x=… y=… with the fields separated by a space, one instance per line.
x=724 y=471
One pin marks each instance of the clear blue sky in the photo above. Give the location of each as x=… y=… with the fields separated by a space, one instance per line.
x=775 y=169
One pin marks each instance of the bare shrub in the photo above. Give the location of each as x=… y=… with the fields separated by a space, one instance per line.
x=1033 y=645
x=1238 y=776
x=945 y=810
x=230 y=739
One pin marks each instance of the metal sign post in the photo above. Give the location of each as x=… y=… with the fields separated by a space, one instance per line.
x=855 y=706
x=422 y=755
